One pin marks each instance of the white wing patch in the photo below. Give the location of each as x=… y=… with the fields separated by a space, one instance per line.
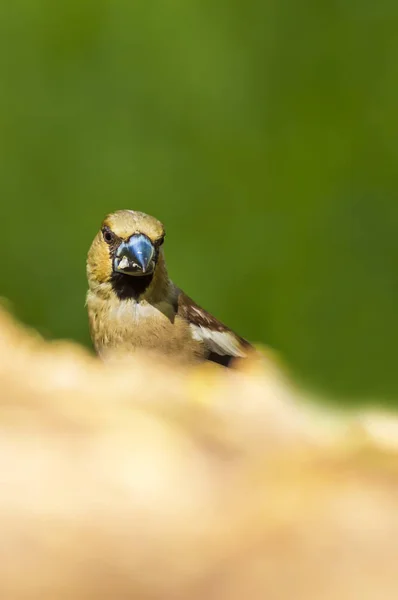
x=223 y=343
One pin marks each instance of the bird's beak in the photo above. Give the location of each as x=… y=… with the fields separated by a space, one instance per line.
x=134 y=256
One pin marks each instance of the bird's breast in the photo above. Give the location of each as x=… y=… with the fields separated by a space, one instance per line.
x=126 y=326
x=139 y=313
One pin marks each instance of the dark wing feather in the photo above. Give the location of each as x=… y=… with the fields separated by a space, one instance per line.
x=221 y=343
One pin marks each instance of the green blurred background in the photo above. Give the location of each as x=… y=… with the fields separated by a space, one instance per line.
x=263 y=133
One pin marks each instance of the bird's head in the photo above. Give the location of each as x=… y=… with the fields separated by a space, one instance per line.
x=126 y=251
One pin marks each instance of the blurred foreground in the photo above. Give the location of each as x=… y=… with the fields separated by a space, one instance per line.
x=148 y=481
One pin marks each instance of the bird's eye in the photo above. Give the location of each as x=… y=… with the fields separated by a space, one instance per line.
x=159 y=241
x=108 y=235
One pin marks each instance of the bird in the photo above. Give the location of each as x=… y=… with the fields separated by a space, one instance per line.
x=133 y=304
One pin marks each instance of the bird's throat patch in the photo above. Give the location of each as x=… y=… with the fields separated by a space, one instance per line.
x=130 y=287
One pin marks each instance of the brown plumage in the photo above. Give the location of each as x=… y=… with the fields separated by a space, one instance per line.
x=132 y=303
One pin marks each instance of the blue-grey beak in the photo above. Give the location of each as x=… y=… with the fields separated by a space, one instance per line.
x=134 y=256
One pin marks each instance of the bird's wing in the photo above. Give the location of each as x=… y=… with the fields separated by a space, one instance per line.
x=221 y=343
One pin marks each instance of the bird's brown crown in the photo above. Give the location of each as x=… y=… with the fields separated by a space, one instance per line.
x=125 y=223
